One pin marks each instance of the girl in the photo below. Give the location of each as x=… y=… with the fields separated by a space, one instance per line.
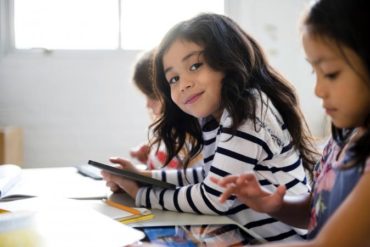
x=154 y=158
x=336 y=213
x=217 y=87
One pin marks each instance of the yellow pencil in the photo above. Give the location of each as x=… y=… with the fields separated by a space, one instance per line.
x=140 y=218
x=122 y=207
x=2 y=211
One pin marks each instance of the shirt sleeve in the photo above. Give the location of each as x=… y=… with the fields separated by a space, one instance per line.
x=180 y=177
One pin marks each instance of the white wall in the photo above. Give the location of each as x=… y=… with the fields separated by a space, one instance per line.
x=72 y=108
x=275 y=25
x=77 y=106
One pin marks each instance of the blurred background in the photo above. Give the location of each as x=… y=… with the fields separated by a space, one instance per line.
x=66 y=94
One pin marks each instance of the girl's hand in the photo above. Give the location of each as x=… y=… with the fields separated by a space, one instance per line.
x=117 y=182
x=248 y=190
x=141 y=153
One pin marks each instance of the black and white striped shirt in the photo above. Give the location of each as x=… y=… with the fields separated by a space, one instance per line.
x=264 y=148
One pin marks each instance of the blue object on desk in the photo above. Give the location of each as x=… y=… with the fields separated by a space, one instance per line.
x=198 y=235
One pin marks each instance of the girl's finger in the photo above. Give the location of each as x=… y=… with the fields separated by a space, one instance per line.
x=120 y=161
x=227 y=180
x=113 y=187
x=247 y=176
x=214 y=180
x=227 y=193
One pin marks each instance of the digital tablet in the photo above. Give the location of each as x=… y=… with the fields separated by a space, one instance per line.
x=133 y=176
x=198 y=235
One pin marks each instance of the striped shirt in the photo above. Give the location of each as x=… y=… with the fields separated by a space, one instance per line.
x=264 y=147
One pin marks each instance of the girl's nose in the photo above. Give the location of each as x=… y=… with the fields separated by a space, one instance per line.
x=186 y=84
x=320 y=89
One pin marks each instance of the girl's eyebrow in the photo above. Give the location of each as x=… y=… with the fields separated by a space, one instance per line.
x=193 y=53
x=190 y=55
x=320 y=60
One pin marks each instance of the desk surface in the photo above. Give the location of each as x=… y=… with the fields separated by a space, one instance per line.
x=162 y=218
x=53 y=178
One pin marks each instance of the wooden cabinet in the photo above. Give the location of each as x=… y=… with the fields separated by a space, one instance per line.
x=11 y=145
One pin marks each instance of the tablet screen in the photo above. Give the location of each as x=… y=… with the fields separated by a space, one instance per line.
x=197 y=235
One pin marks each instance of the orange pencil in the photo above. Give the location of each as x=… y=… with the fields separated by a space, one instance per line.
x=122 y=207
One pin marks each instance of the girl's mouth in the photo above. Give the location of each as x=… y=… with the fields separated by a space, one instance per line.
x=193 y=98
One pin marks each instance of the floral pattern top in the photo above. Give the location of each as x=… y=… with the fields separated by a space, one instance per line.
x=332 y=185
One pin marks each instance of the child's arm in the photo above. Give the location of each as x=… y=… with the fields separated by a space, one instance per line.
x=350 y=224
x=291 y=210
x=141 y=153
x=116 y=182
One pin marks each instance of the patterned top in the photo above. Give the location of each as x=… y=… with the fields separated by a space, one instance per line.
x=265 y=148
x=157 y=158
x=332 y=185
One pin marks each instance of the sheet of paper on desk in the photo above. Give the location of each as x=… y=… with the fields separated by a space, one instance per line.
x=64 y=222
x=64 y=182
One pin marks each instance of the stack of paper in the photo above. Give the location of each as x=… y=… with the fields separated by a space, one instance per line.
x=9 y=177
x=119 y=212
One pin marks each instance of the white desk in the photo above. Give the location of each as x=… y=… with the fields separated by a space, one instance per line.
x=162 y=218
x=61 y=181
x=168 y=218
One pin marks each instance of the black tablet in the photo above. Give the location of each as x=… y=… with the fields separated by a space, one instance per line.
x=133 y=176
x=198 y=235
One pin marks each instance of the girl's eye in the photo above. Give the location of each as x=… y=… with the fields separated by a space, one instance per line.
x=173 y=80
x=195 y=66
x=332 y=76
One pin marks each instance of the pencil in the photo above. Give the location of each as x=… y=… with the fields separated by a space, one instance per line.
x=122 y=207
x=3 y=211
x=133 y=220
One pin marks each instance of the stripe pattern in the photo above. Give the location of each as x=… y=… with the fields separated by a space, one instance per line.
x=264 y=148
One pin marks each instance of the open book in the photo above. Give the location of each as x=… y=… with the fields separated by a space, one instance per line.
x=9 y=177
x=63 y=182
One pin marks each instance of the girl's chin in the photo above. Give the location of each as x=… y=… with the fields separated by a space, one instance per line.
x=341 y=125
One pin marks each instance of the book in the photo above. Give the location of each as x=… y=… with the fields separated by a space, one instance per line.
x=9 y=176
x=65 y=182
x=132 y=175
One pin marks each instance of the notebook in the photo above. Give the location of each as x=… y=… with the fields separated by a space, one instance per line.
x=17 y=183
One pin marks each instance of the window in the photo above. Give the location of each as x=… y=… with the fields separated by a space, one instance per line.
x=100 y=24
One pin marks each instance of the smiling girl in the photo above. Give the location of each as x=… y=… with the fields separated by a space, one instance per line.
x=217 y=88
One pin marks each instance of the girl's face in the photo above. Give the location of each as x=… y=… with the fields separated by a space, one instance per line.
x=195 y=86
x=342 y=84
